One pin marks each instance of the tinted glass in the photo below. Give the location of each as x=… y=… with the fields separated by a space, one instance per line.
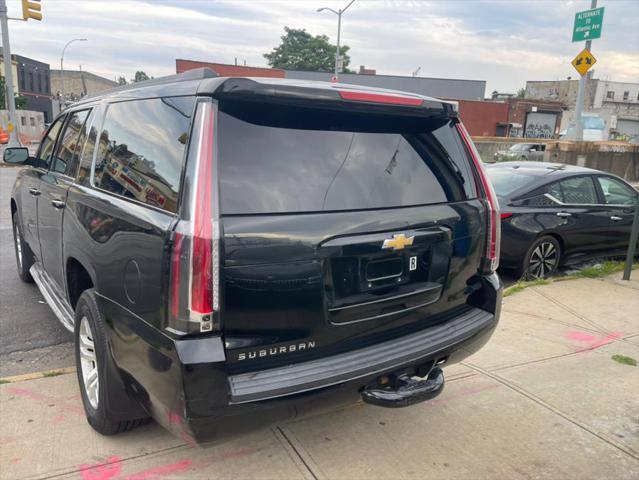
x=507 y=180
x=267 y=169
x=141 y=149
x=45 y=153
x=616 y=192
x=554 y=189
x=86 y=157
x=578 y=190
x=68 y=150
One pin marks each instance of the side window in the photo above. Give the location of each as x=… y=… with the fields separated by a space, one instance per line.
x=87 y=146
x=68 y=151
x=616 y=192
x=579 y=191
x=45 y=154
x=554 y=189
x=141 y=149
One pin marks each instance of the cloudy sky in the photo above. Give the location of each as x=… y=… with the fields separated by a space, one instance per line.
x=502 y=42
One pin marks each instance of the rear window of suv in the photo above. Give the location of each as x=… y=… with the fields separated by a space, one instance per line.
x=268 y=169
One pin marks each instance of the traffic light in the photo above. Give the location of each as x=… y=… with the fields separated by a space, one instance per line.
x=31 y=9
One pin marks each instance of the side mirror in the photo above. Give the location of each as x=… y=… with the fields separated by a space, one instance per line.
x=16 y=155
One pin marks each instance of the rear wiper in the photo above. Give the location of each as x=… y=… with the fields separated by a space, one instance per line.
x=456 y=169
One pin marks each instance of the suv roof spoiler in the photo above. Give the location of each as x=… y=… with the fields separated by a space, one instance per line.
x=326 y=95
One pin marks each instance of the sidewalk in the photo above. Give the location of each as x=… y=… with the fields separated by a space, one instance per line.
x=544 y=399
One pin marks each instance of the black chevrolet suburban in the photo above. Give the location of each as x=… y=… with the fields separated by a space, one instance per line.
x=234 y=251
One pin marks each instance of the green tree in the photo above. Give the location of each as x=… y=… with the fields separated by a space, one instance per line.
x=299 y=50
x=140 y=76
x=122 y=80
x=521 y=93
x=20 y=100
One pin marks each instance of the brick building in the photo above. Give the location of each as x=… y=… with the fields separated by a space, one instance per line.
x=224 y=70
x=484 y=118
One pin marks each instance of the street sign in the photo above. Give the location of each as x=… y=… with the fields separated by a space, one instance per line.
x=583 y=62
x=587 y=25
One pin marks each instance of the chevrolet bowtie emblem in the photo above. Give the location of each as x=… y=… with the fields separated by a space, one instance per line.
x=398 y=242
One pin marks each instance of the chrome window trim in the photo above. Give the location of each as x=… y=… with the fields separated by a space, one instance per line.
x=582 y=205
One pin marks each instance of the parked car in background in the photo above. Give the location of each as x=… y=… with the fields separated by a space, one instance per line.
x=521 y=151
x=231 y=251
x=553 y=214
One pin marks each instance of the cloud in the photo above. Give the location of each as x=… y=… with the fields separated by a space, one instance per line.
x=503 y=42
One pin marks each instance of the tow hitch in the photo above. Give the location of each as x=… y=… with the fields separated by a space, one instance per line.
x=396 y=391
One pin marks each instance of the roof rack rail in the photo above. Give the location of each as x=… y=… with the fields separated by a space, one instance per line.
x=195 y=74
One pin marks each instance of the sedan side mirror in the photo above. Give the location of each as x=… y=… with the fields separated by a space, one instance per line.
x=16 y=155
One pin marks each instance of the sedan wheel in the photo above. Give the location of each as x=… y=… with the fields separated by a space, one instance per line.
x=89 y=363
x=544 y=259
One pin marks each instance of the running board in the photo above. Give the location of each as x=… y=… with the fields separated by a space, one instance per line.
x=58 y=304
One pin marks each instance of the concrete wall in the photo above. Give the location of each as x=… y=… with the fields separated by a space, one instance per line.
x=618 y=158
x=432 y=87
x=30 y=124
x=78 y=84
x=564 y=91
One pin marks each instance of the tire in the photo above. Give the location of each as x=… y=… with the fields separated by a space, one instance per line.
x=91 y=358
x=24 y=255
x=541 y=260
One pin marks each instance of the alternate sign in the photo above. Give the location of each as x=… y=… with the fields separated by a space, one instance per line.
x=587 y=25
x=583 y=62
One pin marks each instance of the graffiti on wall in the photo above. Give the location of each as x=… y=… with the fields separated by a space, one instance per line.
x=539 y=130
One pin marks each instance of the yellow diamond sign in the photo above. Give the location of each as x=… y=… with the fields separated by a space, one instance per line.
x=583 y=61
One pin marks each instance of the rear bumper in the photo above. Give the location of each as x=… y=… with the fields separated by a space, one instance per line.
x=376 y=359
x=183 y=384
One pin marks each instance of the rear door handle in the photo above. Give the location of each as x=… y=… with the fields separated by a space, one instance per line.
x=615 y=218
x=34 y=191
x=564 y=214
x=59 y=204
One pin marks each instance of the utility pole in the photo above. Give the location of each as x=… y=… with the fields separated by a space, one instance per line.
x=339 y=30
x=14 y=139
x=580 y=92
x=62 y=102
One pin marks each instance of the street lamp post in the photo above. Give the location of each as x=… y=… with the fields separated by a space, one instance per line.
x=339 y=28
x=62 y=67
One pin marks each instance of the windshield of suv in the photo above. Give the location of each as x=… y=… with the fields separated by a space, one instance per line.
x=520 y=147
x=506 y=181
x=267 y=169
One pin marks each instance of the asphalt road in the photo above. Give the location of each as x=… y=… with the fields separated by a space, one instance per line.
x=31 y=338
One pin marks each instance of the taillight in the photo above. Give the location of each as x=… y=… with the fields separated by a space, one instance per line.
x=194 y=285
x=505 y=215
x=380 y=98
x=491 y=256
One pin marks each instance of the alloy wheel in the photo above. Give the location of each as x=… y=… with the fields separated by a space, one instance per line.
x=543 y=260
x=89 y=363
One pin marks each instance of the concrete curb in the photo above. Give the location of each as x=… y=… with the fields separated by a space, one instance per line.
x=36 y=375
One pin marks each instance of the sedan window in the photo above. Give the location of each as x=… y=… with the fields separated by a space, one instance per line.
x=578 y=191
x=616 y=192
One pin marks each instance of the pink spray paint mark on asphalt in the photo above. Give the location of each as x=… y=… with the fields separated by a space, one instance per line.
x=592 y=341
x=103 y=470
x=62 y=405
